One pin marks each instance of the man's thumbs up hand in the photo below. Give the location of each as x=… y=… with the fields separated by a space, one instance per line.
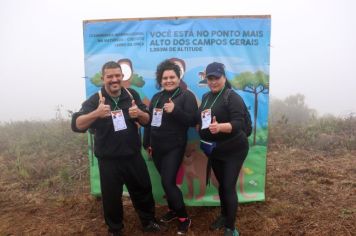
x=102 y=100
x=103 y=110
x=134 y=110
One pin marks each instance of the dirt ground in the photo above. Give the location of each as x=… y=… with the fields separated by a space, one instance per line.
x=308 y=193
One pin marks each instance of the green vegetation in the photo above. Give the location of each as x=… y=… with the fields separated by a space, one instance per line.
x=293 y=124
x=96 y=80
x=137 y=80
x=43 y=154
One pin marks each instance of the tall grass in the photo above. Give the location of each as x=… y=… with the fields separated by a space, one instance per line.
x=42 y=154
x=294 y=124
x=328 y=133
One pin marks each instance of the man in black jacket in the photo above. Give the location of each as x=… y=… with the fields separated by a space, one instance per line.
x=112 y=114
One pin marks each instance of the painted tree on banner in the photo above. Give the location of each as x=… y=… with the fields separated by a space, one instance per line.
x=254 y=83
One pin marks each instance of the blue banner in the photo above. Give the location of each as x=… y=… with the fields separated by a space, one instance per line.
x=139 y=45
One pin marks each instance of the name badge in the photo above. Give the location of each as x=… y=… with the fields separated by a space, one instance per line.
x=118 y=120
x=157 y=117
x=205 y=118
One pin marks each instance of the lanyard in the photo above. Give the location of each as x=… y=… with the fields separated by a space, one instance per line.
x=214 y=99
x=175 y=92
x=116 y=101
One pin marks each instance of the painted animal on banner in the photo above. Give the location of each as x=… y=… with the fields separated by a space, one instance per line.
x=194 y=164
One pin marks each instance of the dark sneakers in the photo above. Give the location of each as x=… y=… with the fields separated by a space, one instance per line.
x=114 y=233
x=230 y=232
x=184 y=226
x=219 y=223
x=168 y=217
x=152 y=226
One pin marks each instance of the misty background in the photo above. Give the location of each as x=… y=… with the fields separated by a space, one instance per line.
x=313 y=50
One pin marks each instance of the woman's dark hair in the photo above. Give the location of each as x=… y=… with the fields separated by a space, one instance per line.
x=163 y=66
x=228 y=84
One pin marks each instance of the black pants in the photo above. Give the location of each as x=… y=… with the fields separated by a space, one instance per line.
x=227 y=170
x=167 y=164
x=131 y=171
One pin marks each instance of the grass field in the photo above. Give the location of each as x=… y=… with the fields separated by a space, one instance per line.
x=310 y=184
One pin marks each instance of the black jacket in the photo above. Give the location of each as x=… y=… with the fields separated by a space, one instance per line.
x=107 y=142
x=174 y=126
x=231 y=111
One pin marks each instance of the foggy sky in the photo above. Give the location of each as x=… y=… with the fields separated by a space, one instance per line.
x=313 y=49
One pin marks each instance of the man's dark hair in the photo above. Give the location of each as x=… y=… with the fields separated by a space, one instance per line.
x=109 y=65
x=163 y=66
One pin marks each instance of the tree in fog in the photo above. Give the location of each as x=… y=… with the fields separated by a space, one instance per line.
x=291 y=110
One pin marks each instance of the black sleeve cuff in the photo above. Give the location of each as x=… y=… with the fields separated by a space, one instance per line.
x=74 y=121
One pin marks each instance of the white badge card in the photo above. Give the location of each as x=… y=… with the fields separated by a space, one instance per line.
x=118 y=120
x=157 y=117
x=205 y=118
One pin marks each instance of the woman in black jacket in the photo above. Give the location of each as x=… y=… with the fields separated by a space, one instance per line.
x=224 y=141
x=173 y=110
